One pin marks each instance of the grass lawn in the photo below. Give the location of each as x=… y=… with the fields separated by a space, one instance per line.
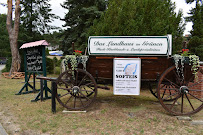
x=109 y=115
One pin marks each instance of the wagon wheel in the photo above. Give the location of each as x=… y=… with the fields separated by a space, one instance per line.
x=76 y=90
x=166 y=86
x=152 y=90
x=182 y=91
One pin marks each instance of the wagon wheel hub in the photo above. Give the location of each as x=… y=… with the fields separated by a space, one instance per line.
x=184 y=89
x=76 y=89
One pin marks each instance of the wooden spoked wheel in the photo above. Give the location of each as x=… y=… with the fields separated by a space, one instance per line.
x=182 y=89
x=167 y=87
x=152 y=90
x=76 y=90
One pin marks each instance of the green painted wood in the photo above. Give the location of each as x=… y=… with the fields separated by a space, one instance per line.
x=30 y=72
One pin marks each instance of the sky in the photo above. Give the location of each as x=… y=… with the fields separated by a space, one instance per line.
x=58 y=10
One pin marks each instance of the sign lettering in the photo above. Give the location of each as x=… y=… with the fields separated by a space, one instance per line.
x=126 y=76
x=129 y=45
x=34 y=59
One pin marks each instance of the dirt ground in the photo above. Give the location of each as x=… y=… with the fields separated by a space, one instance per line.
x=109 y=115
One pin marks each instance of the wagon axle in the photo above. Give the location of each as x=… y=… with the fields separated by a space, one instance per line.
x=184 y=89
x=76 y=89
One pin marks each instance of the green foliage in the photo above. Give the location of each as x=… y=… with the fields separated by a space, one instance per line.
x=199 y=52
x=35 y=20
x=191 y=1
x=54 y=38
x=49 y=65
x=59 y=63
x=26 y=36
x=4 y=39
x=56 y=65
x=194 y=43
x=57 y=70
x=5 y=50
x=140 y=18
x=46 y=51
x=185 y=53
x=36 y=16
x=8 y=65
x=55 y=60
x=196 y=17
x=79 y=17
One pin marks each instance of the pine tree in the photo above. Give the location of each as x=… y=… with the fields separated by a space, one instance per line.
x=196 y=17
x=35 y=19
x=54 y=38
x=78 y=19
x=4 y=40
x=191 y=1
x=141 y=18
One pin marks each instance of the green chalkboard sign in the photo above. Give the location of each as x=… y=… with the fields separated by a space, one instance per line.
x=34 y=59
x=35 y=63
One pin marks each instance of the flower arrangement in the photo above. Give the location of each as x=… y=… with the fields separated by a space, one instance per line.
x=72 y=60
x=194 y=60
x=75 y=59
x=186 y=57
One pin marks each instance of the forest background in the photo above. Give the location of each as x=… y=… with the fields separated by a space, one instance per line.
x=103 y=17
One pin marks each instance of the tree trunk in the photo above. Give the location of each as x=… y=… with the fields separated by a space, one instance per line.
x=16 y=60
x=13 y=35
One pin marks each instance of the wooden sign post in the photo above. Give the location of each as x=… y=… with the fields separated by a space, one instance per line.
x=35 y=63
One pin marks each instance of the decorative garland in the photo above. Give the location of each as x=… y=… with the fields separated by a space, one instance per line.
x=178 y=58
x=75 y=60
x=193 y=60
x=84 y=60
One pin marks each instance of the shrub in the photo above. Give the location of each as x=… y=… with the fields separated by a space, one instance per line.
x=49 y=65
x=57 y=70
x=199 y=52
x=8 y=65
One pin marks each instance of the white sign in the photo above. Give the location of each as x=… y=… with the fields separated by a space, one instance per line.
x=126 y=76
x=129 y=45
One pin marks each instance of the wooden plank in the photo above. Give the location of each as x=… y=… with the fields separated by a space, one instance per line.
x=152 y=67
x=65 y=111
x=147 y=58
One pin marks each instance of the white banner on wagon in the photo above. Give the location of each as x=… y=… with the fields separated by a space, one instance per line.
x=130 y=45
x=126 y=76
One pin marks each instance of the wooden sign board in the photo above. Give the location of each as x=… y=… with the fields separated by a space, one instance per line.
x=130 y=45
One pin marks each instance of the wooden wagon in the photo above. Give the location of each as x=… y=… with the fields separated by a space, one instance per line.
x=175 y=89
